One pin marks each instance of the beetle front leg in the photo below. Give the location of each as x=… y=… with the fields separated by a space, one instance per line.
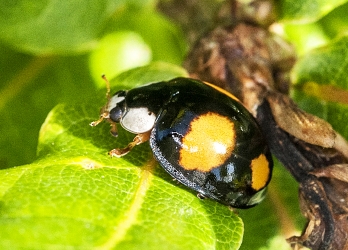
x=138 y=139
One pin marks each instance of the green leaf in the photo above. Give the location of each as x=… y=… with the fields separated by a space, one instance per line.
x=53 y=26
x=118 y=52
x=76 y=196
x=30 y=88
x=130 y=42
x=305 y=37
x=325 y=65
x=308 y=36
x=307 y=10
x=164 y=37
x=321 y=84
x=336 y=22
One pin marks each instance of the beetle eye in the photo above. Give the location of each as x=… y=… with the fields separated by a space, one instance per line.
x=116 y=114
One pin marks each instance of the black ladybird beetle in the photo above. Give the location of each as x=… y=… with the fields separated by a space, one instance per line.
x=200 y=134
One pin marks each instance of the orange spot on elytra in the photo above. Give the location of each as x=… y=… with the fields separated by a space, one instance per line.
x=209 y=142
x=260 y=172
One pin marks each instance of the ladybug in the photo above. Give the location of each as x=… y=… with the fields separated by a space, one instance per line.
x=200 y=134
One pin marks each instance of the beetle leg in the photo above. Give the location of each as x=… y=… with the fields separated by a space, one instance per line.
x=113 y=129
x=138 y=139
x=102 y=116
x=113 y=124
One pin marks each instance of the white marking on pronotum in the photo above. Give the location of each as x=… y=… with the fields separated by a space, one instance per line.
x=138 y=120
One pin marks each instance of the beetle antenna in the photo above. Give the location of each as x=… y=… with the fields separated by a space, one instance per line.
x=104 y=113
x=107 y=87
